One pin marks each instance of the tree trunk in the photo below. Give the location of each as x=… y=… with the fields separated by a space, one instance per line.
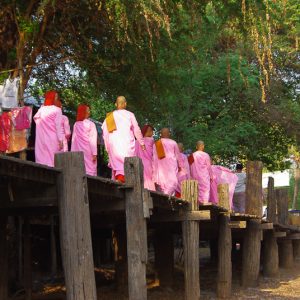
x=296 y=186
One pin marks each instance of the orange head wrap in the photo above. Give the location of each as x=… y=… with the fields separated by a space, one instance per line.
x=50 y=98
x=81 y=112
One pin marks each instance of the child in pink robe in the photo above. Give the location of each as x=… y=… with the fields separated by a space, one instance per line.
x=66 y=131
x=165 y=170
x=84 y=139
x=147 y=156
x=184 y=173
x=49 y=138
x=120 y=143
x=201 y=171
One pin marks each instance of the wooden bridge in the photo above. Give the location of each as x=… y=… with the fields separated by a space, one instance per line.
x=31 y=190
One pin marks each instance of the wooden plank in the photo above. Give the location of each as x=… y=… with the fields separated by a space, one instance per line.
x=190 y=233
x=237 y=224
x=270 y=254
x=282 y=198
x=172 y=216
x=254 y=188
x=271 y=201
x=251 y=254
x=75 y=228
x=16 y=168
x=223 y=195
x=280 y=234
x=224 y=258
x=136 y=230
x=3 y=258
x=266 y=226
x=27 y=260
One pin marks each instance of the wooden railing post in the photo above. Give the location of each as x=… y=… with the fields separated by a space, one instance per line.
x=190 y=232
x=75 y=228
x=271 y=201
x=223 y=195
x=136 y=229
x=254 y=188
x=282 y=198
x=3 y=258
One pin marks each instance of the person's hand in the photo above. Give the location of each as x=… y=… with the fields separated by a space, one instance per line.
x=94 y=158
x=60 y=145
x=143 y=147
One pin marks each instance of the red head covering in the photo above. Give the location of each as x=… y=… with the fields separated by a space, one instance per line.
x=50 y=98
x=81 y=112
x=145 y=128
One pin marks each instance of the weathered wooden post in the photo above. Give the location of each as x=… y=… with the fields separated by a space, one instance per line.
x=270 y=249
x=223 y=195
x=75 y=228
x=136 y=229
x=271 y=202
x=224 y=261
x=286 y=259
x=252 y=238
x=27 y=260
x=3 y=258
x=270 y=254
x=190 y=233
x=296 y=249
x=282 y=198
x=164 y=255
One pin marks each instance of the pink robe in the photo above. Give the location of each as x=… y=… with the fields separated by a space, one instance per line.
x=184 y=173
x=121 y=142
x=201 y=171
x=165 y=170
x=224 y=175
x=147 y=159
x=66 y=131
x=48 y=121
x=84 y=139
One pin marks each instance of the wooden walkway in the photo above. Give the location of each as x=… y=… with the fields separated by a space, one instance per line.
x=31 y=190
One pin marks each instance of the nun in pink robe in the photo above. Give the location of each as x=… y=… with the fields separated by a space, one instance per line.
x=49 y=137
x=165 y=170
x=120 y=143
x=84 y=139
x=201 y=171
x=147 y=156
x=184 y=173
x=66 y=131
x=225 y=175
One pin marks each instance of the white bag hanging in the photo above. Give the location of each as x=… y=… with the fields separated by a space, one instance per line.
x=10 y=93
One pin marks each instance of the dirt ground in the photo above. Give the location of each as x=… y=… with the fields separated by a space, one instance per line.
x=286 y=286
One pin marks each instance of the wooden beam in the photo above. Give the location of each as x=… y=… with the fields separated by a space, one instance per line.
x=75 y=228
x=271 y=201
x=266 y=226
x=280 y=234
x=254 y=188
x=237 y=224
x=17 y=168
x=136 y=226
x=181 y=216
x=282 y=198
x=224 y=258
x=190 y=234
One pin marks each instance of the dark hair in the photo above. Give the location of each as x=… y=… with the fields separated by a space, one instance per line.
x=239 y=167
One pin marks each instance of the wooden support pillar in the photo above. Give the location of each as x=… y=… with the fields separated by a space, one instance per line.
x=3 y=258
x=282 y=198
x=223 y=195
x=27 y=260
x=224 y=258
x=53 y=247
x=164 y=255
x=121 y=266
x=271 y=202
x=251 y=254
x=137 y=251
x=296 y=249
x=190 y=232
x=286 y=258
x=254 y=188
x=75 y=228
x=270 y=254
